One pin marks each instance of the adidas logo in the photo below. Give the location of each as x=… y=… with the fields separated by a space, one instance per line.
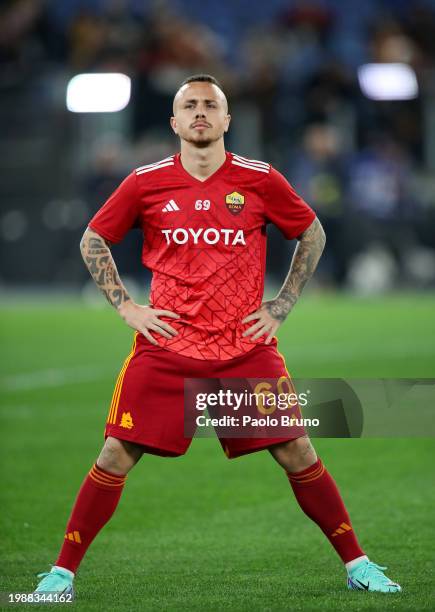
x=171 y=206
x=74 y=536
x=342 y=529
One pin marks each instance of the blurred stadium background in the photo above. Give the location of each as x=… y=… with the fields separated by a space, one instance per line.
x=358 y=145
x=290 y=69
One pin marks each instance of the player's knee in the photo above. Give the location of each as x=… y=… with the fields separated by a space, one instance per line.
x=118 y=456
x=295 y=455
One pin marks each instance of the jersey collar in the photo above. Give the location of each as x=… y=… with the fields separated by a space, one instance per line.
x=194 y=181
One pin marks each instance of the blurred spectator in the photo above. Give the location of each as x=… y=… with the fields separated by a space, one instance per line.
x=318 y=174
x=22 y=40
x=171 y=49
x=108 y=40
x=379 y=179
x=381 y=208
x=108 y=167
x=110 y=164
x=88 y=35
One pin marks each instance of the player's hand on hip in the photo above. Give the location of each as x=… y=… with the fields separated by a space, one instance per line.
x=145 y=319
x=264 y=324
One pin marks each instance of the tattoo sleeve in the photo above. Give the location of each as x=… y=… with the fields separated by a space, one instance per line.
x=306 y=256
x=99 y=261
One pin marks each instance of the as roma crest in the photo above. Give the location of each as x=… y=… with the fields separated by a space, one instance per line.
x=235 y=202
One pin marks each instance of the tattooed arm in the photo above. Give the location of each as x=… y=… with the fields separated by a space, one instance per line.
x=306 y=256
x=305 y=259
x=98 y=258
x=99 y=261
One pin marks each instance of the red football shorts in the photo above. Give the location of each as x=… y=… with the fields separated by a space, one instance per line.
x=148 y=401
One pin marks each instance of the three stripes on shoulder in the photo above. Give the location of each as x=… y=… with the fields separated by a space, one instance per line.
x=237 y=160
x=163 y=163
x=251 y=164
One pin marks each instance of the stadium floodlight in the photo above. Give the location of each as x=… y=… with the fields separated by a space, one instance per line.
x=388 y=81
x=98 y=93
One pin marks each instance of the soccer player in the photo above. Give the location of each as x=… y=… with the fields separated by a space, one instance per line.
x=203 y=214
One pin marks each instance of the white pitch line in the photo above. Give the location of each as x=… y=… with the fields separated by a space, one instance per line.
x=54 y=377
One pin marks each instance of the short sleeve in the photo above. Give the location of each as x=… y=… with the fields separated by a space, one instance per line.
x=120 y=213
x=284 y=208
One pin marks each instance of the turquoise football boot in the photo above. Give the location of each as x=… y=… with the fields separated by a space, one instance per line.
x=57 y=581
x=367 y=576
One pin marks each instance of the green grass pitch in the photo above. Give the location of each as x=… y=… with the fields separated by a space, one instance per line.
x=201 y=532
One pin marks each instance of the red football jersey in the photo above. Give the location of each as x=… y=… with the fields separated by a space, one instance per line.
x=205 y=243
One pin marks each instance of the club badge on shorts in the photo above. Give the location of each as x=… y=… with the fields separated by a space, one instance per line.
x=235 y=202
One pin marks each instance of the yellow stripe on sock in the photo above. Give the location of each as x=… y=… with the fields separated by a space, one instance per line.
x=109 y=481
x=307 y=477
x=98 y=480
x=112 y=477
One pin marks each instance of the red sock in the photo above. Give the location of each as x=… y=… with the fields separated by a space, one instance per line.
x=320 y=499
x=96 y=502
